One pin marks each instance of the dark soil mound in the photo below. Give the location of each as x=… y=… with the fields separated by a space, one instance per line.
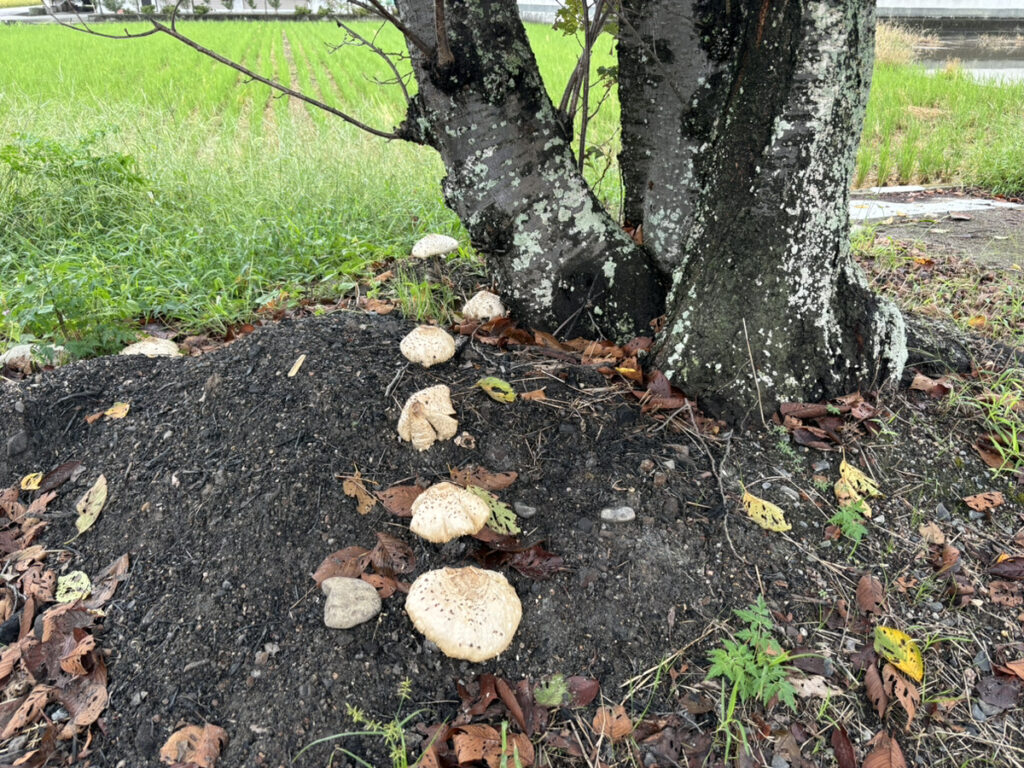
x=226 y=491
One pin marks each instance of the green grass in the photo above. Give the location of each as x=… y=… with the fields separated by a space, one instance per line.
x=236 y=198
x=18 y=3
x=942 y=128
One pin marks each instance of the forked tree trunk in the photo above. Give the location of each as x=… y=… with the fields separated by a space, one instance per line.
x=556 y=254
x=740 y=124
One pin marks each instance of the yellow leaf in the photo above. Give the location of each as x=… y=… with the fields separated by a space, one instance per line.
x=497 y=389
x=117 y=411
x=978 y=321
x=857 y=480
x=899 y=650
x=73 y=586
x=765 y=514
x=31 y=482
x=845 y=494
x=89 y=506
x=353 y=486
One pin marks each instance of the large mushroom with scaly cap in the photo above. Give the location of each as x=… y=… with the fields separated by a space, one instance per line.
x=469 y=613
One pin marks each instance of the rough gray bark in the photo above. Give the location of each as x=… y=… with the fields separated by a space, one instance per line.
x=767 y=304
x=740 y=126
x=557 y=255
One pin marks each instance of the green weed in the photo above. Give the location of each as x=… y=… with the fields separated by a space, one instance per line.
x=850 y=520
x=392 y=731
x=755 y=668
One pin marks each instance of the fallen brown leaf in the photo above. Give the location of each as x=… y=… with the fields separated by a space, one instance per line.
x=612 y=722
x=885 y=753
x=1010 y=568
x=195 y=744
x=870 y=595
x=901 y=689
x=353 y=486
x=399 y=498
x=391 y=555
x=985 y=502
x=843 y=748
x=1007 y=594
x=483 y=478
x=350 y=562
x=875 y=690
x=931 y=533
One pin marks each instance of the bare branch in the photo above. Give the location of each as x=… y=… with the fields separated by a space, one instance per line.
x=588 y=44
x=412 y=37
x=273 y=84
x=373 y=47
x=444 y=51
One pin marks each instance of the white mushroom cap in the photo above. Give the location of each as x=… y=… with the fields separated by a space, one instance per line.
x=483 y=306
x=434 y=245
x=469 y=613
x=427 y=417
x=445 y=511
x=428 y=345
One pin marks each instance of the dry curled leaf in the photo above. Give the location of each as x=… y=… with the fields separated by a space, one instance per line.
x=482 y=743
x=117 y=411
x=90 y=505
x=483 y=478
x=391 y=555
x=349 y=562
x=1006 y=593
x=612 y=722
x=353 y=486
x=875 y=690
x=985 y=502
x=931 y=533
x=1009 y=568
x=885 y=753
x=399 y=498
x=902 y=690
x=870 y=596
x=196 y=744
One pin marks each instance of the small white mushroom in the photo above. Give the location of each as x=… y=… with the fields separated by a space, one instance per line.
x=153 y=347
x=469 y=613
x=349 y=602
x=445 y=511
x=427 y=345
x=483 y=306
x=434 y=245
x=427 y=417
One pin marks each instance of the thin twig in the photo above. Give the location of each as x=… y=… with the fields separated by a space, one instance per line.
x=753 y=370
x=412 y=37
x=373 y=47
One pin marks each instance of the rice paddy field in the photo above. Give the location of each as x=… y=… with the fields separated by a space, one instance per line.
x=141 y=180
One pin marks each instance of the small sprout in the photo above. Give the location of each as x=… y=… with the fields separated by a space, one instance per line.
x=428 y=345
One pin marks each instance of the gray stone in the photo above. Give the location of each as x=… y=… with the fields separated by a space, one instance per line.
x=982 y=662
x=350 y=602
x=618 y=514
x=524 y=510
x=941 y=512
x=17 y=443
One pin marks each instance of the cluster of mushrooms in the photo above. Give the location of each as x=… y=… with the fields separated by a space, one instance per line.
x=469 y=613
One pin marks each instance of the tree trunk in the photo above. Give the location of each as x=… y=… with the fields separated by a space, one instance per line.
x=556 y=254
x=740 y=124
x=767 y=304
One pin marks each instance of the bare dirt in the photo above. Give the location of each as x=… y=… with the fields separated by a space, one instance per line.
x=226 y=493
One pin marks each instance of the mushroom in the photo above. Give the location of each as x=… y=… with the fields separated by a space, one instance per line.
x=434 y=245
x=427 y=417
x=483 y=306
x=469 y=613
x=445 y=511
x=427 y=345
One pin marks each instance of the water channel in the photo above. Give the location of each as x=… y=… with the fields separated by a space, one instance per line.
x=990 y=49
